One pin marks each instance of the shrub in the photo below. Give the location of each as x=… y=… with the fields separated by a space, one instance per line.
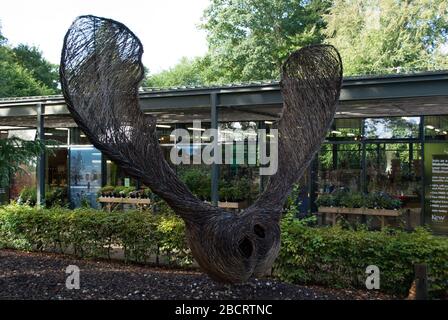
x=198 y=181
x=93 y=233
x=170 y=233
x=28 y=195
x=235 y=190
x=325 y=200
x=336 y=257
x=56 y=197
x=329 y=256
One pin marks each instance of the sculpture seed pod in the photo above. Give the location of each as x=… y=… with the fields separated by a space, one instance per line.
x=101 y=71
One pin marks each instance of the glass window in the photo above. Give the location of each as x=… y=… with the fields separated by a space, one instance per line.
x=339 y=167
x=395 y=168
x=117 y=177
x=26 y=177
x=345 y=129
x=164 y=133
x=56 y=177
x=436 y=127
x=85 y=175
x=60 y=135
x=77 y=137
x=392 y=128
x=239 y=173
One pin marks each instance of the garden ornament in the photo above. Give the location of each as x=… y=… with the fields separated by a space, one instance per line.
x=101 y=71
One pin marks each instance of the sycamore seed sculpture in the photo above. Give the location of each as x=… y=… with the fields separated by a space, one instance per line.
x=101 y=71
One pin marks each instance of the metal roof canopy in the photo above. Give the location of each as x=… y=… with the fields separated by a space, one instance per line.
x=424 y=93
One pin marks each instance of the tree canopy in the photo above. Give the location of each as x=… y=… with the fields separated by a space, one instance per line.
x=248 y=39
x=188 y=72
x=384 y=36
x=24 y=71
x=31 y=59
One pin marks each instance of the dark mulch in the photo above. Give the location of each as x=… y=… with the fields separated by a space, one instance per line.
x=26 y=275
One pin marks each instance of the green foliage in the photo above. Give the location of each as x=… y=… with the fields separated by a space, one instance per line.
x=237 y=189
x=198 y=181
x=375 y=200
x=325 y=200
x=31 y=59
x=188 y=72
x=248 y=40
x=119 y=191
x=14 y=152
x=170 y=232
x=336 y=257
x=292 y=204
x=388 y=36
x=15 y=80
x=106 y=191
x=328 y=256
x=28 y=195
x=56 y=197
x=353 y=200
x=146 y=193
x=24 y=71
x=92 y=233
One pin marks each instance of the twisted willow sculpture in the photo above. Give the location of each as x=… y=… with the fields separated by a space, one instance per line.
x=100 y=72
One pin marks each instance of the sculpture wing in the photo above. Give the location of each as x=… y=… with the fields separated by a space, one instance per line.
x=100 y=73
x=311 y=81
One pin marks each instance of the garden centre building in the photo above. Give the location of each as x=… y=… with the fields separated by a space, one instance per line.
x=390 y=134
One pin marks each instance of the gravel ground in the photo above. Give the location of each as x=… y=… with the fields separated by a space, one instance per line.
x=26 y=275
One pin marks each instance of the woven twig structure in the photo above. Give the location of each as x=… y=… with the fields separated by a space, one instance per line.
x=100 y=73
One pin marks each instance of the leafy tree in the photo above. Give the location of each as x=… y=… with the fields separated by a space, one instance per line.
x=188 y=72
x=15 y=80
x=249 y=39
x=24 y=72
x=384 y=36
x=32 y=60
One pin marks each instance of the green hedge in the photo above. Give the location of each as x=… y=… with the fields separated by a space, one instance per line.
x=330 y=256
x=337 y=257
x=93 y=233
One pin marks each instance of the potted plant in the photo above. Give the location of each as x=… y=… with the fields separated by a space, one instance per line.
x=119 y=191
x=145 y=193
x=106 y=191
x=377 y=204
x=126 y=192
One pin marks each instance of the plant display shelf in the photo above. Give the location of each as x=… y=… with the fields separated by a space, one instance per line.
x=233 y=205
x=109 y=201
x=380 y=213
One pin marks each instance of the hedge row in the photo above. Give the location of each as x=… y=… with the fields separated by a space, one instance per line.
x=330 y=256
x=337 y=257
x=94 y=233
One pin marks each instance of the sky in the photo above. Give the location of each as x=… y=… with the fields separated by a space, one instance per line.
x=168 y=29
